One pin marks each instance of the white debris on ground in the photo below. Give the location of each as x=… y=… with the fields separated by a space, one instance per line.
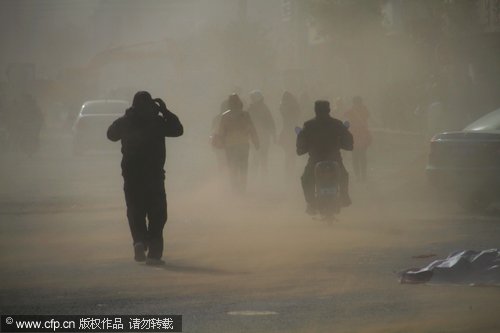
x=461 y=267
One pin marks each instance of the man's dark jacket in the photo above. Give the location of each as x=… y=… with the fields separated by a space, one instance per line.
x=323 y=137
x=142 y=134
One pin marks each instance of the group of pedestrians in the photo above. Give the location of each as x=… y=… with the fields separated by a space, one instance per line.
x=143 y=128
x=235 y=127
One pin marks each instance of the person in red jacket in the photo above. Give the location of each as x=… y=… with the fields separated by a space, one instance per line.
x=358 y=117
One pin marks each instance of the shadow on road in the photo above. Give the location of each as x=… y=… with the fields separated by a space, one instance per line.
x=181 y=267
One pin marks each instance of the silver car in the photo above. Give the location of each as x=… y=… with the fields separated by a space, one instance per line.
x=467 y=162
x=89 y=129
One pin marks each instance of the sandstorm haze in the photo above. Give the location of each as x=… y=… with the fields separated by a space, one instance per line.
x=195 y=52
x=400 y=56
x=180 y=49
x=258 y=251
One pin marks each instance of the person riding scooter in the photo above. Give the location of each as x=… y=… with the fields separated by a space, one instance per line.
x=323 y=137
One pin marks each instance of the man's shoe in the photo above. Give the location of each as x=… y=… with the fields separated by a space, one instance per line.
x=154 y=262
x=140 y=252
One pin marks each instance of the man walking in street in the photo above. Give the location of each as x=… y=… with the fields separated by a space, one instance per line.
x=142 y=131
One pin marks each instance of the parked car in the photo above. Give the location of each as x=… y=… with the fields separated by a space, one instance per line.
x=89 y=129
x=467 y=162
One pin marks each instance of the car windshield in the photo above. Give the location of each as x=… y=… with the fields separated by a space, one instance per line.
x=109 y=107
x=488 y=122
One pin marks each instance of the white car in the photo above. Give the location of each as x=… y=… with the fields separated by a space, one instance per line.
x=467 y=162
x=91 y=125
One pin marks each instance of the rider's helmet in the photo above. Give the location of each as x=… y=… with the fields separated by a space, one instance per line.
x=321 y=107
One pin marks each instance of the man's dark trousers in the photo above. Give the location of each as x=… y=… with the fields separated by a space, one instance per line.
x=147 y=198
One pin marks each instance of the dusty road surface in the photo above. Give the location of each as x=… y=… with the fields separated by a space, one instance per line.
x=252 y=264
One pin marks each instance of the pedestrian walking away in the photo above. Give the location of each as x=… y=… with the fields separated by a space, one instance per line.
x=236 y=129
x=266 y=130
x=358 y=117
x=291 y=114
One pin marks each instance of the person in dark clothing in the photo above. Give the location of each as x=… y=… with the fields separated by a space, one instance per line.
x=142 y=131
x=265 y=127
x=235 y=131
x=323 y=137
x=24 y=121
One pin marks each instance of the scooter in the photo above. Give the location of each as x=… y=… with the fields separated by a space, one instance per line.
x=327 y=189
